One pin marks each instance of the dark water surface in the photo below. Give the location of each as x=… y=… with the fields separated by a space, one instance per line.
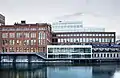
x=41 y=71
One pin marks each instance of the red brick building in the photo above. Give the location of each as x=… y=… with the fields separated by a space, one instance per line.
x=25 y=37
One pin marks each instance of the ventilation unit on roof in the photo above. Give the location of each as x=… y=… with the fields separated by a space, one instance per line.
x=23 y=22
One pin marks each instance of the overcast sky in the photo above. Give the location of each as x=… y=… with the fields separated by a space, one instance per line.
x=99 y=13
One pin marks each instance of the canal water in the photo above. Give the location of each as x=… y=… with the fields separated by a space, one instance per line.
x=53 y=71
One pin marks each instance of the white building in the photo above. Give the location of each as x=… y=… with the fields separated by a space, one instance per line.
x=69 y=51
x=73 y=26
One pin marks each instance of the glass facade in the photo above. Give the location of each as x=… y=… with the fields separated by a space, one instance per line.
x=71 y=51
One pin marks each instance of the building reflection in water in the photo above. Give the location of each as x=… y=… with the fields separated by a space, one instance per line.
x=23 y=71
x=41 y=71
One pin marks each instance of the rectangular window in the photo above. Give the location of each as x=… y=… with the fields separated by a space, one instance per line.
x=19 y=35
x=19 y=42
x=102 y=39
x=83 y=39
x=43 y=36
x=26 y=35
x=39 y=42
x=112 y=34
x=80 y=39
x=96 y=34
x=83 y=34
x=103 y=34
x=90 y=34
x=87 y=39
x=112 y=40
x=5 y=42
x=33 y=35
x=100 y=34
x=33 y=42
x=26 y=42
x=96 y=39
x=106 y=34
x=11 y=42
x=4 y=35
x=11 y=49
x=93 y=34
x=99 y=39
x=11 y=35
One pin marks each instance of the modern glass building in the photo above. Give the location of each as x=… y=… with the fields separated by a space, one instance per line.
x=2 y=19
x=69 y=51
x=73 y=26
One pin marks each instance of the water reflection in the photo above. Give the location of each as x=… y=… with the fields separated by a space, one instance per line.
x=41 y=71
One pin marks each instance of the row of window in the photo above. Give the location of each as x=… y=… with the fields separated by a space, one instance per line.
x=69 y=50
x=67 y=26
x=25 y=42
x=23 y=35
x=106 y=55
x=85 y=40
x=21 y=29
x=69 y=56
x=85 y=35
x=20 y=49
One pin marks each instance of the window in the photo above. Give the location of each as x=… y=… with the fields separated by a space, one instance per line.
x=100 y=34
x=33 y=42
x=19 y=42
x=103 y=34
x=33 y=35
x=43 y=36
x=107 y=55
x=99 y=39
x=101 y=55
x=4 y=35
x=112 y=34
x=83 y=34
x=102 y=40
x=93 y=34
x=5 y=42
x=96 y=34
x=96 y=39
x=11 y=35
x=19 y=35
x=104 y=55
x=83 y=39
x=106 y=34
x=11 y=49
x=39 y=42
x=112 y=40
x=87 y=39
x=80 y=39
x=11 y=42
x=90 y=34
x=26 y=35
x=26 y=42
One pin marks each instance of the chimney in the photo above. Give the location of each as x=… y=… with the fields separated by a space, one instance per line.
x=23 y=22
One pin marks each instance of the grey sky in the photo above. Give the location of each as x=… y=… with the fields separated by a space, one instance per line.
x=103 y=13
